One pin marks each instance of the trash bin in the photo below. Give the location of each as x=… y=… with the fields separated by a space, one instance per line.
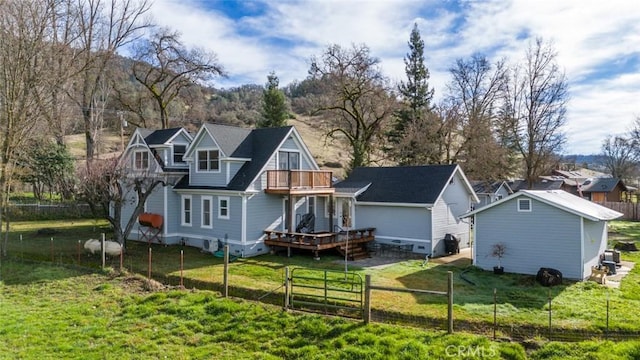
x=611 y=265
x=451 y=244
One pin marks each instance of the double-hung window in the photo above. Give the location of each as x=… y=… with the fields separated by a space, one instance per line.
x=207 y=212
x=187 y=210
x=141 y=160
x=178 y=153
x=208 y=160
x=223 y=207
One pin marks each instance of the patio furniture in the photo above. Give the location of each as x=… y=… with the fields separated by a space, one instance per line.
x=599 y=274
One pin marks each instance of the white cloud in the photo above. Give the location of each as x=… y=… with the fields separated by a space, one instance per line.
x=587 y=35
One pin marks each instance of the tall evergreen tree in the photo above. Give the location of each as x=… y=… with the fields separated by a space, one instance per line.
x=274 y=104
x=417 y=96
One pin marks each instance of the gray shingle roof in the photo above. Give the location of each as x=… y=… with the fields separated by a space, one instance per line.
x=257 y=145
x=400 y=184
x=159 y=137
x=601 y=185
x=229 y=138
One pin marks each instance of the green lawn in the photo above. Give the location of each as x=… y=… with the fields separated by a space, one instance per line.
x=54 y=312
x=521 y=302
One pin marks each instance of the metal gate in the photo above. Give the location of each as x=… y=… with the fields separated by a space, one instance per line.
x=335 y=292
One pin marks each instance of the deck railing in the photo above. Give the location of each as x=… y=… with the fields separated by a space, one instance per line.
x=298 y=179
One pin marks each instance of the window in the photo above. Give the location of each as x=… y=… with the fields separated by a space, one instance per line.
x=288 y=160
x=208 y=160
x=311 y=205
x=178 y=153
x=329 y=202
x=223 y=207
x=207 y=212
x=186 y=210
x=524 y=204
x=141 y=160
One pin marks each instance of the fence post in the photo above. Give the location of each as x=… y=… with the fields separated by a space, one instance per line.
x=226 y=271
x=549 y=314
x=367 y=299
x=181 y=268
x=52 y=250
x=104 y=258
x=149 y=266
x=450 y=302
x=286 y=288
x=495 y=310
x=606 y=334
x=78 y=252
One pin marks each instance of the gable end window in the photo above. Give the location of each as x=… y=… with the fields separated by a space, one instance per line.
x=141 y=160
x=208 y=160
x=288 y=160
x=524 y=204
x=178 y=153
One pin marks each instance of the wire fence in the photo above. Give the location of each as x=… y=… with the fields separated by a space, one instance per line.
x=180 y=267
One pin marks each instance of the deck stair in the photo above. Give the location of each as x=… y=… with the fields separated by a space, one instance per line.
x=356 y=251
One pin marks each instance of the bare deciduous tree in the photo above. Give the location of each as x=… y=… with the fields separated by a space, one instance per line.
x=535 y=106
x=620 y=156
x=105 y=27
x=107 y=185
x=476 y=89
x=164 y=66
x=357 y=98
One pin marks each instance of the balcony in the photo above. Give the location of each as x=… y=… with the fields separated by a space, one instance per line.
x=300 y=182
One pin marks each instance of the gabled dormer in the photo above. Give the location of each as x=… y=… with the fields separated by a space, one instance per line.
x=169 y=146
x=216 y=154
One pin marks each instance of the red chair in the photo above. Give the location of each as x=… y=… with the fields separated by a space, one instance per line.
x=150 y=228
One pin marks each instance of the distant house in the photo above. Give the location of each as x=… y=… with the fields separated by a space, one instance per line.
x=552 y=229
x=489 y=192
x=410 y=205
x=603 y=190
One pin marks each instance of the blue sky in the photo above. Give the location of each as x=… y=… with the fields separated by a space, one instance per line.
x=598 y=44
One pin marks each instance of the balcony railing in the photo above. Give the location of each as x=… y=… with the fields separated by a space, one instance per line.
x=298 y=181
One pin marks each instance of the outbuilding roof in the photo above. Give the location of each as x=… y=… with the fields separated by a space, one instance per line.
x=561 y=200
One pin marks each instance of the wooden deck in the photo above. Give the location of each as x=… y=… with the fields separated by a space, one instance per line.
x=354 y=245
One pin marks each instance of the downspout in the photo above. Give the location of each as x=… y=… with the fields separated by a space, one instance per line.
x=165 y=214
x=582 y=248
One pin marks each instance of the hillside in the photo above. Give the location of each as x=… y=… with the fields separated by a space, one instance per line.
x=330 y=155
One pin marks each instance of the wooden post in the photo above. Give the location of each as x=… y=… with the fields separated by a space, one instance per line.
x=495 y=323
x=149 y=266
x=226 y=271
x=52 y=250
x=367 y=299
x=450 y=302
x=181 y=268
x=286 y=288
x=549 y=314
x=78 y=252
x=104 y=258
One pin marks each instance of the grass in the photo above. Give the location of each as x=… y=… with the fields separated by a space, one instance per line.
x=521 y=302
x=51 y=312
